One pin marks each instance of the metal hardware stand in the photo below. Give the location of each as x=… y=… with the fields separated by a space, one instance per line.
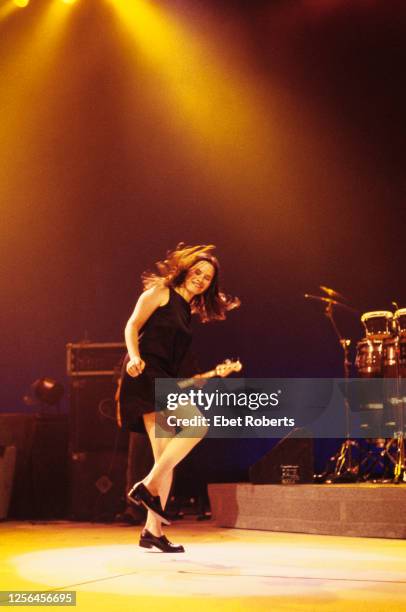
x=395 y=447
x=397 y=456
x=346 y=466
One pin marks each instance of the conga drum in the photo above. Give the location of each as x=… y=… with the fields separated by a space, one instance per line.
x=378 y=324
x=368 y=360
x=400 y=322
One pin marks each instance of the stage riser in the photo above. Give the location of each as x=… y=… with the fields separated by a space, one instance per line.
x=363 y=510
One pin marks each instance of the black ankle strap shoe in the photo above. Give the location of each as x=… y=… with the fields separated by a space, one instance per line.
x=148 y=540
x=139 y=494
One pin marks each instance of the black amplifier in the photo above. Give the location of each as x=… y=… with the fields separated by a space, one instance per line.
x=94 y=358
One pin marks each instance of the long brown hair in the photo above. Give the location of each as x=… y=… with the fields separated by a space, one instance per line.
x=213 y=303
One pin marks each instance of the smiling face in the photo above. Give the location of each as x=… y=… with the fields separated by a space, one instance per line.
x=199 y=277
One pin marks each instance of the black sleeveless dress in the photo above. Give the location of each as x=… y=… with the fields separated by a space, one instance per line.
x=163 y=342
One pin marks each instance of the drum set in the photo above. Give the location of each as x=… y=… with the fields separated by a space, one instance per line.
x=381 y=354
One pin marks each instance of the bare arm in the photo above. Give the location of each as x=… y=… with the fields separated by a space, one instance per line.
x=147 y=303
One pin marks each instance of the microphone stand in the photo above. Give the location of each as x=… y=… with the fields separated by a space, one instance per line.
x=344 y=463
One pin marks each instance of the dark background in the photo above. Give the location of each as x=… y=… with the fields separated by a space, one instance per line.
x=275 y=130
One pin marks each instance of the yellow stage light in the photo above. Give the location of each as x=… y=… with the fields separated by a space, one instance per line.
x=216 y=108
x=21 y=3
x=69 y=1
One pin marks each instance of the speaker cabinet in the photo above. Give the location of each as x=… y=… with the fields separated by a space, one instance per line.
x=41 y=476
x=49 y=467
x=292 y=456
x=97 y=485
x=17 y=430
x=92 y=415
x=7 y=466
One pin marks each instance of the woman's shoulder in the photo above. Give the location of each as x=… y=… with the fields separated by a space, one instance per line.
x=159 y=295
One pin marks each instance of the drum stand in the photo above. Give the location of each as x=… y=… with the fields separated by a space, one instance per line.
x=376 y=457
x=395 y=447
x=346 y=466
x=397 y=456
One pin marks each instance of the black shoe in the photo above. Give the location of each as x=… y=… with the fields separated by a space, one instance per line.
x=139 y=494
x=147 y=540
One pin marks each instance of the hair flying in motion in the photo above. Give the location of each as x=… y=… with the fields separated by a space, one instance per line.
x=210 y=305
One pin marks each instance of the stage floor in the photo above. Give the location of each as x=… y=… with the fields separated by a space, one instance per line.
x=231 y=569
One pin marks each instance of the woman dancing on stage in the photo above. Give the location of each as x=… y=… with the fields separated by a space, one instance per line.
x=158 y=335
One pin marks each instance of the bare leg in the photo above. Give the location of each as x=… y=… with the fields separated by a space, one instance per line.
x=175 y=449
x=153 y=523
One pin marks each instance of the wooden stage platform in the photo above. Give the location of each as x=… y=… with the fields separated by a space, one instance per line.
x=366 y=510
x=232 y=570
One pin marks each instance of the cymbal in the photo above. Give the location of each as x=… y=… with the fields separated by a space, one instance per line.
x=332 y=293
x=329 y=301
